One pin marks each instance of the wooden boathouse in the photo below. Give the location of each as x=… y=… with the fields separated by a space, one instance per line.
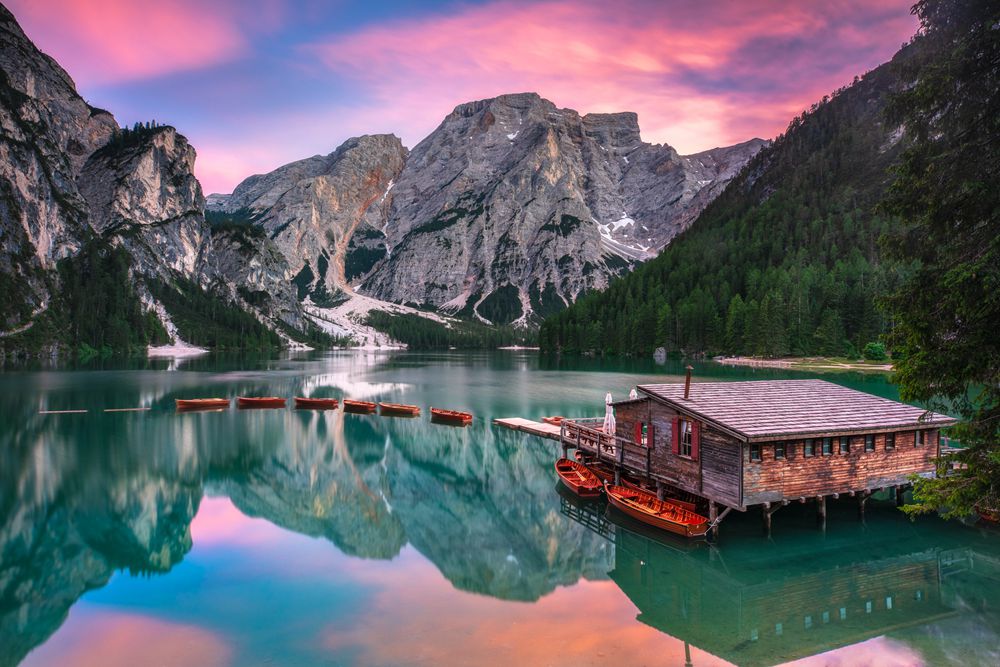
x=737 y=445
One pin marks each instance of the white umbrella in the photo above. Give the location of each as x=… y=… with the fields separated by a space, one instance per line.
x=609 y=415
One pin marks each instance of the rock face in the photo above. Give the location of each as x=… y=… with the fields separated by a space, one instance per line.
x=69 y=174
x=144 y=192
x=322 y=213
x=48 y=132
x=506 y=212
x=512 y=207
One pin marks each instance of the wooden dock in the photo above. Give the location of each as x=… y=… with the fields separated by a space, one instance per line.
x=541 y=429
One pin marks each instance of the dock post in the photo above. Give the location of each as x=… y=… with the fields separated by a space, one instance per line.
x=618 y=476
x=660 y=493
x=713 y=514
x=862 y=501
x=765 y=514
x=821 y=510
x=899 y=495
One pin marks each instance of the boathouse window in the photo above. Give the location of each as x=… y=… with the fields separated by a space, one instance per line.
x=844 y=445
x=685 y=445
x=918 y=439
x=827 y=446
x=779 y=450
x=890 y=441
x=869 y=443
x=686 y=438
x=809 y=448
x=755 y=451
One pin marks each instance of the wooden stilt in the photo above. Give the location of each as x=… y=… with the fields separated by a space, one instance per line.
x=618 y=476
x=713 y=514
x=821 y=510
x=900 y=490
x=660 y=491
x=766 y=516
x=862 y=501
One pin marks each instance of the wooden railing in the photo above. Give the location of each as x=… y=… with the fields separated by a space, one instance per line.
x=586 y=434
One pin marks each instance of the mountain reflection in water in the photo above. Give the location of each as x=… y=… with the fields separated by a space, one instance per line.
x=433 y=542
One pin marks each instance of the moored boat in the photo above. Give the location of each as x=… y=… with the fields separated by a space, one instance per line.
x=456 y=417
x=606 y=473
x=988 y=514
x=650 y=510
x=201 y=403
x=316 y=403
x=260 y=402
x=359 y=407
x=578 y=478
x=399 y=409
x=555 y=421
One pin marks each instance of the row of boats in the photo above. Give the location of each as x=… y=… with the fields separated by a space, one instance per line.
x=357 y=407
x=590 y=479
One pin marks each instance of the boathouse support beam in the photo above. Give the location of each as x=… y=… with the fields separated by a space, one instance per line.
x=821 y=510
x=767 y=509
x=863 y=497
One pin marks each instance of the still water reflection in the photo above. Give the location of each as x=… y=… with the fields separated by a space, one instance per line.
x=283 y=537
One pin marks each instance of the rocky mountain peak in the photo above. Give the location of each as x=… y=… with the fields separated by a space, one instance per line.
x=614 y=130
x=512 y=207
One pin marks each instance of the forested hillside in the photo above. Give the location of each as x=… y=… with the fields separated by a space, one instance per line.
x=785 y=261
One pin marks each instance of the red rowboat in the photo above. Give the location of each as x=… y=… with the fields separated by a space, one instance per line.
x=988 y=514
x=555 y=421
x=451 y=416
x=606 y=473
x=578 y=478
x=201 y=403
x=652 y=511
x=399 y=409
x=316 y=403
x=359 y=407
x=260 y=402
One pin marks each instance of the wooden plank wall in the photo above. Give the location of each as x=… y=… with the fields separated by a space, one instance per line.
x=715 y=475
x=798 y=476
x=720 y=467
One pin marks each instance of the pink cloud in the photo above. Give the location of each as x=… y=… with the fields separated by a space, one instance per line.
x=115 y=41
x=99 y=638
x=660 y=60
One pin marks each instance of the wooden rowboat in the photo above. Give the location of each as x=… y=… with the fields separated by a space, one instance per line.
x=555 y=421
x=606 y=473
x=316 y=403
x=359 y=407
x=451 y=416
x=578 y=479
x=650 y=510
x=399 y=409
x=988 y=514
x=245 y=402
x=201 y=403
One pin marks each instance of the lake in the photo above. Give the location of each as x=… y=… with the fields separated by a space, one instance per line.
x=276 y=537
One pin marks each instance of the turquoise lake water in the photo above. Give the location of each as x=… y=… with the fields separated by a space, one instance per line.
x=305 y=538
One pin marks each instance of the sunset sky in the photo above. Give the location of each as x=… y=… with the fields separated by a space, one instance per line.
x=258 y=83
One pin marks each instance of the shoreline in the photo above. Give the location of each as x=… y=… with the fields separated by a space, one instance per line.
x=806 y=364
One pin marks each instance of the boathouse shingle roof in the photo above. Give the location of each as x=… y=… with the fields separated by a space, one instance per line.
x=764 y=409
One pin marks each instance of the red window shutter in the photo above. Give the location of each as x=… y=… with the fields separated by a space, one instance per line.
x=695 y=439
x=675 y=435
x=638 y=432
x=649 y=435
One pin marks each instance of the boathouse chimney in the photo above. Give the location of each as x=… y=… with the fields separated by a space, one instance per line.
x=687 y=382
